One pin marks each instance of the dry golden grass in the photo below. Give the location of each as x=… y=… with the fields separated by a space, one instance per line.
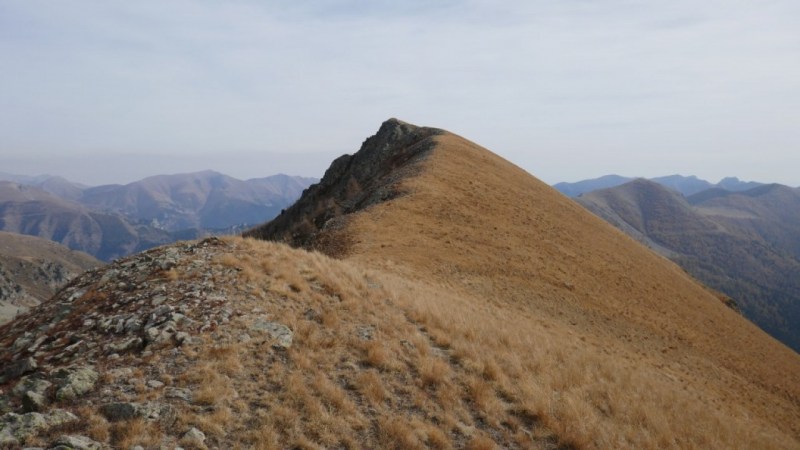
x=135 y=432
x=438 y=367
x=483 y=310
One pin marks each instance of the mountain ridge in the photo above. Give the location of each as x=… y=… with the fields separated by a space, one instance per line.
x=686 y=185
x=469 y=306
x=116 y=220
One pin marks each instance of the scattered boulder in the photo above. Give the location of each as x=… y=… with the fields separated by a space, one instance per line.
x=153 y=411
x=118 y=411
x=75 y=381
x=17 y=369
x=278 y=331
x=17 y=428
x=194 y=436
x=74 y=442
x=33 y=401
x=178 y=393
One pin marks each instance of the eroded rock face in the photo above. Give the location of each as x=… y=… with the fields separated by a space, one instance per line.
x=351 y=183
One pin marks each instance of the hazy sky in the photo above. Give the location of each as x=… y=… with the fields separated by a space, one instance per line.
x=111 y=91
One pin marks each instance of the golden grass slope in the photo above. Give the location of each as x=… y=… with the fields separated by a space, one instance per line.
x=609 y=344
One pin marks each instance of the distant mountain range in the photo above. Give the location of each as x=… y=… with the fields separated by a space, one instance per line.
x=32 y=269
x=116 y=220
x=686 y=185
x=745 y=244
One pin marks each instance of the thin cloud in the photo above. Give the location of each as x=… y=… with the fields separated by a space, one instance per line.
x=606 y=85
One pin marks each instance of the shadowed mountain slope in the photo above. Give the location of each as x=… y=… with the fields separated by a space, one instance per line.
x=32 y=269
x=745 y=244
x=35 y=212
x=472 y=306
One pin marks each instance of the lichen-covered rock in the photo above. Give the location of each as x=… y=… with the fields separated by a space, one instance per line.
x=33 y=401
x=75 y=381
x=281 y=333
x=194 y=436
x=76 y=442
x=31 y=384
x=15 y=429
x=17 y=368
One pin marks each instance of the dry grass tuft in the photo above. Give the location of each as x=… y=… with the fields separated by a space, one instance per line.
x=135 y=432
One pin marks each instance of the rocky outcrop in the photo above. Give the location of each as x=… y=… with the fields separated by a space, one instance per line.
x=90 y=348
x=352 y=183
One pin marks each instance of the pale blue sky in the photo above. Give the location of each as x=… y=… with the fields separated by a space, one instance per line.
x=112 y=91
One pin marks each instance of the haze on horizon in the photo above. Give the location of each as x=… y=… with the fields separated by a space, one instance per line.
x=109 y=92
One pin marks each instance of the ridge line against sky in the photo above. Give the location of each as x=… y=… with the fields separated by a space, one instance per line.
x=567 y=90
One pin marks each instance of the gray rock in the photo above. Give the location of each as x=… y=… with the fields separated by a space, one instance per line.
x=21 y=342
x=365 y=332
x=124 y=345
x=115 y=412
x=31 y=383
x=75 y=381
x=183 y=338
x=37 y=343
x=76 y=442
x=33 y=401
x=17 y=428
x=16 y=369
x=194 y=436
x=278 y=331
x=155 y=384
x=178 y=393
x=5 y=404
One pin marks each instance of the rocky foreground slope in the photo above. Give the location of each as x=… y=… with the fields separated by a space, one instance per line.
x=472 y=307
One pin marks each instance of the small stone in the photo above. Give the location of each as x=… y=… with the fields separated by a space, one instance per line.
x=115 y=412
x=17 y=368
x=178 y=393
x=155 y=384
x=183 y=338
x=365 y=332
x=75 y=381
x=21 y=427
x=33 y=401
x=31 y=383
x=76 y=442
x=278 y=331
x=194 y=436
x=125 y=345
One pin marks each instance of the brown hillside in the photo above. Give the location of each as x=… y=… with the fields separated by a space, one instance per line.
x=510 y=245
x=32 y=269
x=472 y=307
